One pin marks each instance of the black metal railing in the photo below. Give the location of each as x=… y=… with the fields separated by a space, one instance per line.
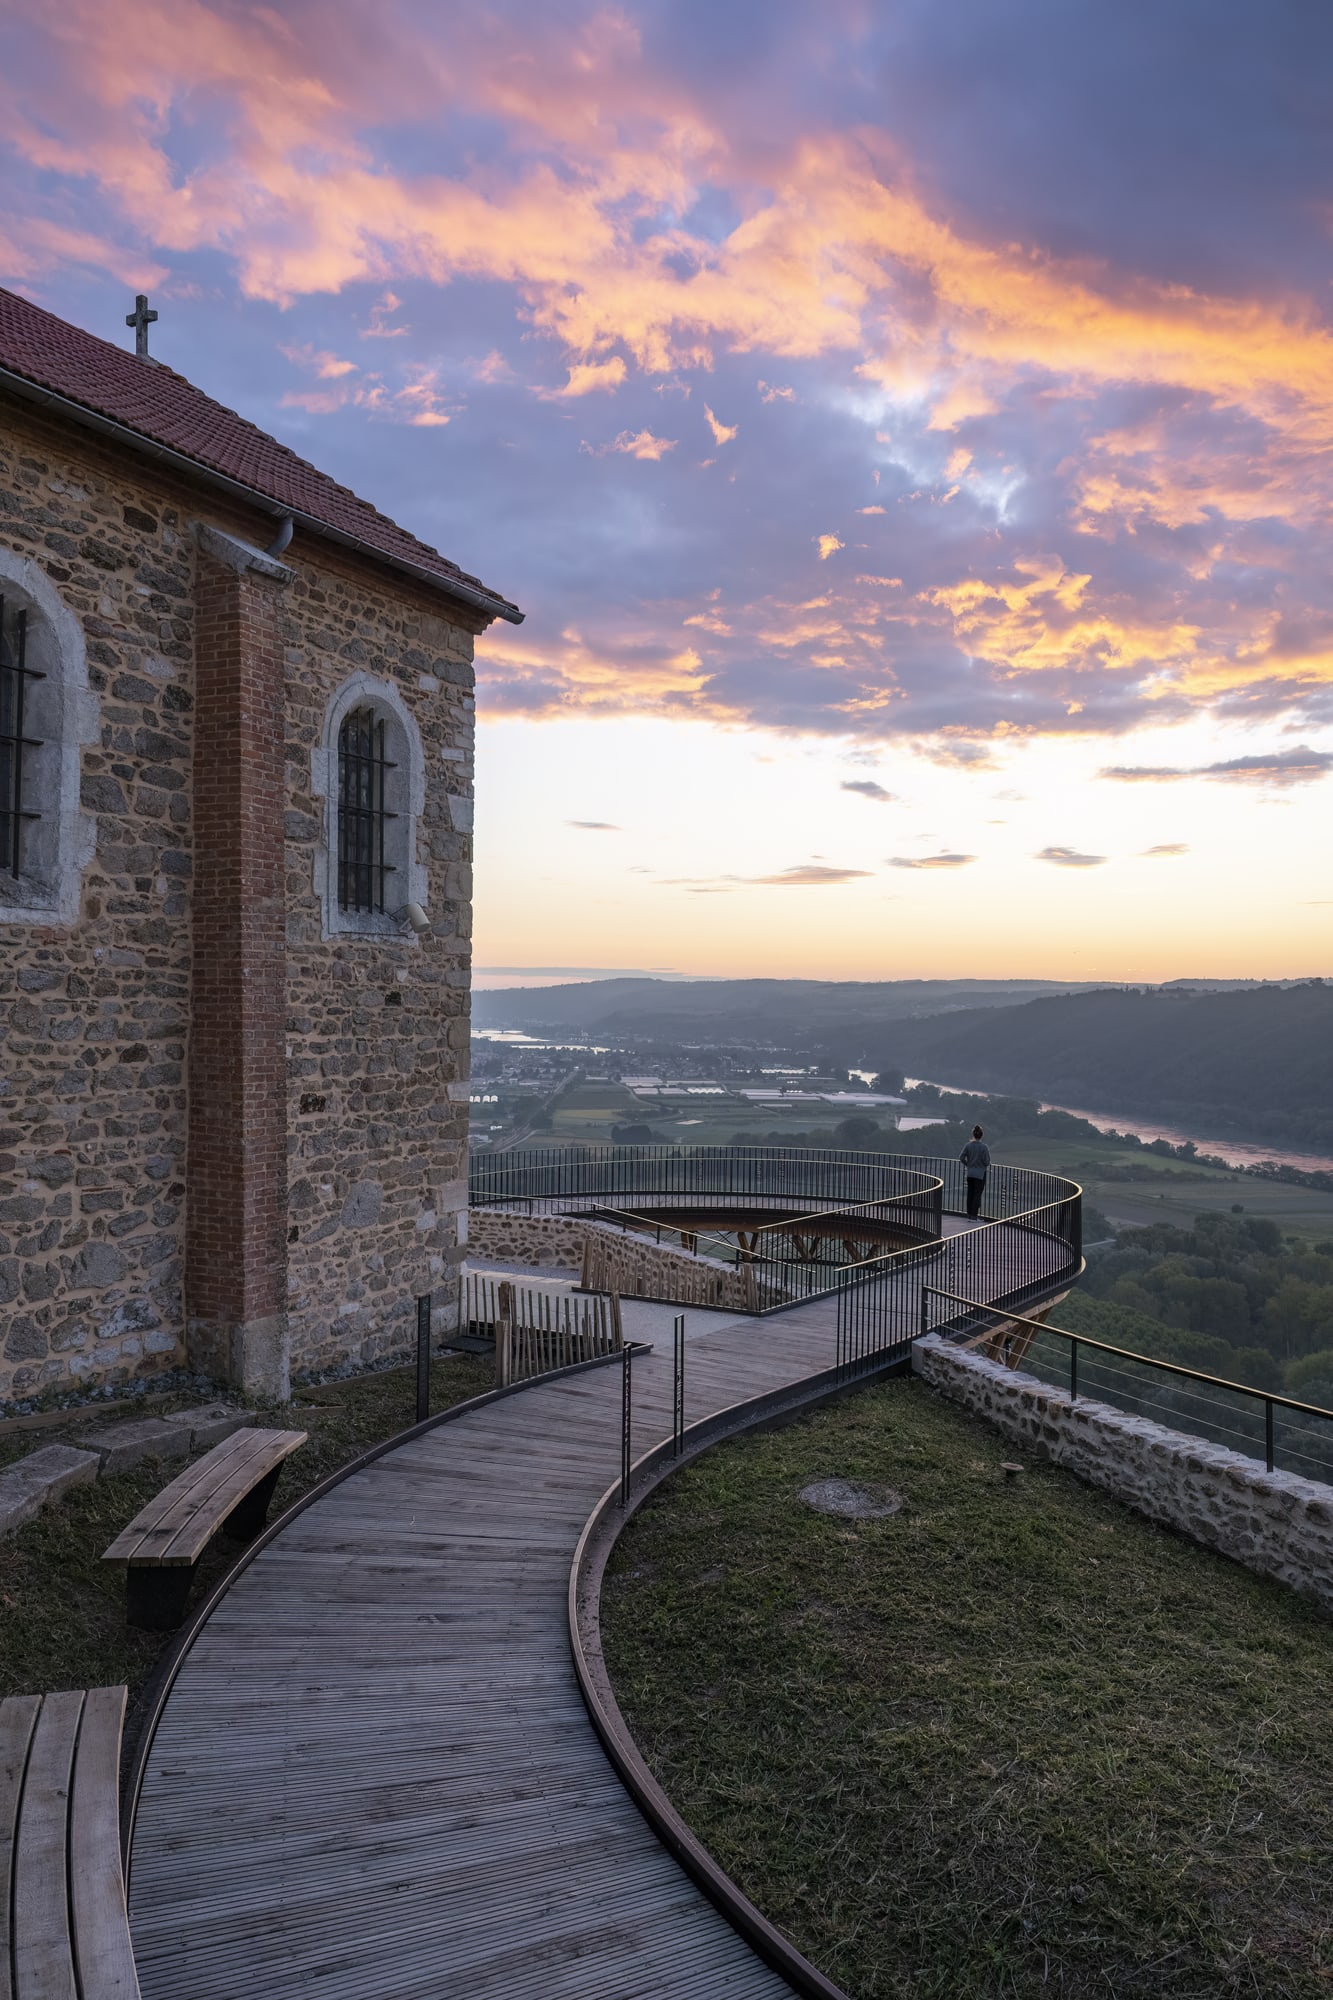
x=1284 y=1434
x=15 y=742
x=363 y=814
x=796 y=1216
x=548 y=1181
x=1029 y=1244
x=837 y=1198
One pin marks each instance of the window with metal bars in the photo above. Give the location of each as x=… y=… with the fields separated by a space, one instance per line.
x=16 y=741
x=363 y=816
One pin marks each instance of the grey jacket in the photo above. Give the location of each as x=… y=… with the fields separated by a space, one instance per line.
x=975 y=1156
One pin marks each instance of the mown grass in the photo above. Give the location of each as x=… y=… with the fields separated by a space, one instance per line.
x=62 y=1609
x=1011 y=1741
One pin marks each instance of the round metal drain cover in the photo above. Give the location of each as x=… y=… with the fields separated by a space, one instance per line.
x=852 y=1499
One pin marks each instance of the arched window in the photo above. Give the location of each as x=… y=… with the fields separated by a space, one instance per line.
x=371 y=773
x=364 y=817
x=46 y=713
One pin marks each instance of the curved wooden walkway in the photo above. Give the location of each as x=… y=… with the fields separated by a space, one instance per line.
x=374 y=1775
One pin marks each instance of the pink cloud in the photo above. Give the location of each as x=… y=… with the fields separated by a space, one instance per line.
x=633 y=444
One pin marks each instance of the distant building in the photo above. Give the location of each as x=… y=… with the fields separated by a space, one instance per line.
x=235 y=745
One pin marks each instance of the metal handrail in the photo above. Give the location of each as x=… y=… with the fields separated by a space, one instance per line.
x=1031 y=1236
x=1268 y=1398
x=1129 y=1354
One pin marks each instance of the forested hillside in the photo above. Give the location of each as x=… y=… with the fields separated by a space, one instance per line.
x=1255 y=1064
x=1229 y=1296
x=786 y=1011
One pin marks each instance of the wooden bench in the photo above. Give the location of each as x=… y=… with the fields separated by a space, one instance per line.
x=63 y=1928
x=228 y=1488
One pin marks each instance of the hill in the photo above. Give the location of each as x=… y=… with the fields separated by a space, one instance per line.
x=815 y=1013
x=1254 y=1064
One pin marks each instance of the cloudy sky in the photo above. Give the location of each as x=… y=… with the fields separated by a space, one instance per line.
x=908 y=428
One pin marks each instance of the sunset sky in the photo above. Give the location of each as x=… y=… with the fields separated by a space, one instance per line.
x=908 y=428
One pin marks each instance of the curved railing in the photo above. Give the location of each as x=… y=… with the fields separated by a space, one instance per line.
x=557 y=1180
x=1029 y=1241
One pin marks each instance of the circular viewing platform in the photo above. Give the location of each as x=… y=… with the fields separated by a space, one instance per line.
x=806 y=1221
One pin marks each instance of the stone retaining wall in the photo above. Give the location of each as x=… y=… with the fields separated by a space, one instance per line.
x=624 y=1263
x=1273 y=1522
x=555 y=1241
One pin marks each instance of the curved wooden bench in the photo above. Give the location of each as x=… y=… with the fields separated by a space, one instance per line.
x=229 y=1488
x=64 y=1934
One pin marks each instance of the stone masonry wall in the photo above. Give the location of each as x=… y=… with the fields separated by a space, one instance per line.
x=378 y=1026
x=551 y=1241
x=624 y=1263
x=1272 y=1522
x=93 y=1016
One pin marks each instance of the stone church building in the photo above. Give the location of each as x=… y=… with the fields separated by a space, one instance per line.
x=236 y=730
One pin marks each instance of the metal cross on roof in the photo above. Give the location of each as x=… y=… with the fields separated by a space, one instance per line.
x=141 y=319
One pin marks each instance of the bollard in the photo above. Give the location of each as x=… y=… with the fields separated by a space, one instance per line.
x=423 y=1358
x=626 y=1414
x=678 y=1400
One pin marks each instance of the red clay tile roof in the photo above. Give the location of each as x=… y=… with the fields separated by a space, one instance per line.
x=164 y=409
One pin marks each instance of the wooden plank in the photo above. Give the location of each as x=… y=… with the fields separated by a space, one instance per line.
x=195 y=1478
x=43 y=1959
x=188 y=1541
x=179 y=1522
x=97 y=1890
x=172 y=1505
x=18 y=1717
x=375 y=1774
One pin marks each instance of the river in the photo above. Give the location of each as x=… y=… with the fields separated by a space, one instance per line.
x=1233 y=1151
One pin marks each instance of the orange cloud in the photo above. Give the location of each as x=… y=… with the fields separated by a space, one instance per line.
x=633 y=444
x=625 y=670
x=418 y=400
x=836 y=253
x=1045 y=623
x=586 y=376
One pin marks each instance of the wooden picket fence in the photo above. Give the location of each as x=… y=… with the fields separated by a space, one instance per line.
x=536 y=1330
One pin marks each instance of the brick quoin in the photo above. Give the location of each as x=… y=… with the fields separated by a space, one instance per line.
x=235 y=1254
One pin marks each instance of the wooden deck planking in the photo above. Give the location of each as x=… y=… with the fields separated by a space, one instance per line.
x=383 y=1758
x=375 y=1776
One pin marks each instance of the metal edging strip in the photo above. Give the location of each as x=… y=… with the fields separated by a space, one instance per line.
x=599 y=1536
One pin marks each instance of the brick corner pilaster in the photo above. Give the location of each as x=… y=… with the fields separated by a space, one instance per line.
x=236 y=1223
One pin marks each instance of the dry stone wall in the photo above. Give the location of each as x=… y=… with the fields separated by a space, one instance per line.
x=1273 y=1522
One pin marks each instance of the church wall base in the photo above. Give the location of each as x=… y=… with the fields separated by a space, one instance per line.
x=253 y=1356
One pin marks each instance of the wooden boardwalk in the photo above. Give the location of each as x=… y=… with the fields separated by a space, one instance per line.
x=374 y=1775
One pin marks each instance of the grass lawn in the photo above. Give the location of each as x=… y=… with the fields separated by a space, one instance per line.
x=1010 y=1741
x=62 y=1609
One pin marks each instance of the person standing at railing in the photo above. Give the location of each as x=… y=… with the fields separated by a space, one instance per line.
x=975 y=1158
